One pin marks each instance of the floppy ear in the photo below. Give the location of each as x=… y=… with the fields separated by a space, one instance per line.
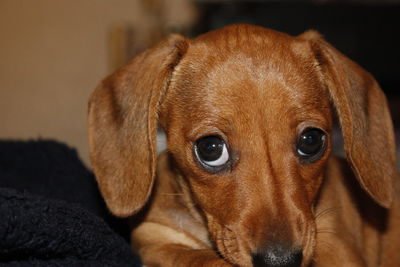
x=364 y=118
x=122 y=125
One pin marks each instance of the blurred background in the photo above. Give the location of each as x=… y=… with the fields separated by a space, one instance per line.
x=53 y=53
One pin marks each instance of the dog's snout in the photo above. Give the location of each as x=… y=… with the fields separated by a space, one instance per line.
x=277 y=257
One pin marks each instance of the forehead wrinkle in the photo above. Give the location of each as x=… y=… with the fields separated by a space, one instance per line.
x=248 y=103
x=241 y=99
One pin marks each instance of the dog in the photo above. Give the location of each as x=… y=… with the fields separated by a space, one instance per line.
x=248 y=178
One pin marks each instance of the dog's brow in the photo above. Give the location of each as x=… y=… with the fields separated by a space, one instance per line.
x=306 y=111
x=212 y=123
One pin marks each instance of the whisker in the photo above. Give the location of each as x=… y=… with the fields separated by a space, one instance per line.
x=326 y=231
x=326 y=212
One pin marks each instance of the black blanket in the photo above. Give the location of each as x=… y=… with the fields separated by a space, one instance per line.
x=51 y=213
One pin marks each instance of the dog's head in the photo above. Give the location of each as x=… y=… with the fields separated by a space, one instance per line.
x=248 y=116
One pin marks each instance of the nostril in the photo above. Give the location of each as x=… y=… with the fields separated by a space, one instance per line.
x=277 y=257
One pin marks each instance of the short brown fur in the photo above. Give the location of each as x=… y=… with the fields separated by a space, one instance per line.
x=257 y=89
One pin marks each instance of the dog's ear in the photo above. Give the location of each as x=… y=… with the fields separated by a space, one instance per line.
x=364 y=118
x=122 y=123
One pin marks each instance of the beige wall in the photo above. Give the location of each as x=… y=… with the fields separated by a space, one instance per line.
x=52 y=55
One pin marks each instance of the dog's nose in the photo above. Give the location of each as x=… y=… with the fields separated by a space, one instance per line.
x=278 y=257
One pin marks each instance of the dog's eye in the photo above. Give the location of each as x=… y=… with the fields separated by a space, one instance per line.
x=211 y=151
x=311 y=144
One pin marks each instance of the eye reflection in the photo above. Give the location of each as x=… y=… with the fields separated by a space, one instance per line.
x=211 y=151
x=311 y=144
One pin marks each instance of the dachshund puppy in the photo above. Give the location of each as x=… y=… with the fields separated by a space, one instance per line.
x=248 y=178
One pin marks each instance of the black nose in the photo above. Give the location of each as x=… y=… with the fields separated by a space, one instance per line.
x=278 y=257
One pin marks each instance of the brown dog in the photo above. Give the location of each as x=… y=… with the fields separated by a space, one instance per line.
x=248 y=178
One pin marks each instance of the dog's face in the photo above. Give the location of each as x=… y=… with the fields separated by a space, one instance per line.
x=251 y=136
x=248 y=116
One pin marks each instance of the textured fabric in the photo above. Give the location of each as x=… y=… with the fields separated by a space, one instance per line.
x=51 y=213
x=49 y=169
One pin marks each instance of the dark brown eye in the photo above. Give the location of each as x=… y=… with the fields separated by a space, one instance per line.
x=211 y=151
x=311 y=144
